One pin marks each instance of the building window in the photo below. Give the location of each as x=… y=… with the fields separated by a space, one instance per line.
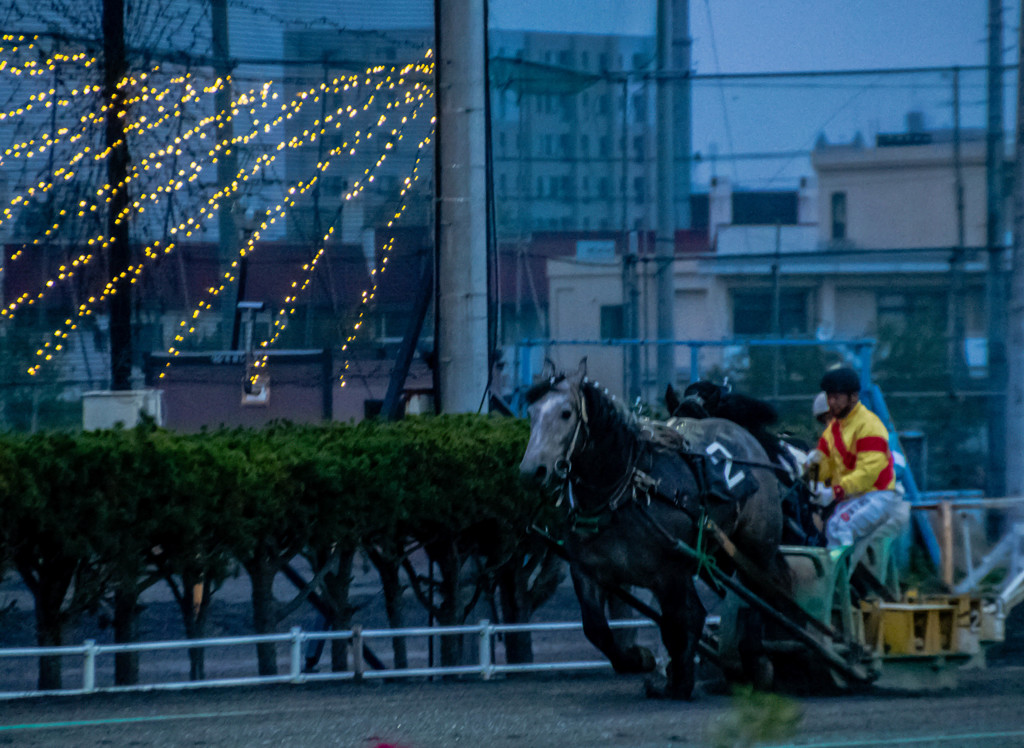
x=901 y=312
x=565 y=143
x=640 y=189
x=639 y=108
x=752 y=312
x=612 y=321
x=838 y=216
x=639 y=149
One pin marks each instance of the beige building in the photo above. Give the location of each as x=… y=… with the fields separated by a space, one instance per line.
x=877 y=230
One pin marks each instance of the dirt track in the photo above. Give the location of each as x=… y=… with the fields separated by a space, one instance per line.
x=526 y=712
x=593 y=710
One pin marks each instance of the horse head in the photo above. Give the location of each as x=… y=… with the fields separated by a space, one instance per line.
x=699 y=400
x=557 y=419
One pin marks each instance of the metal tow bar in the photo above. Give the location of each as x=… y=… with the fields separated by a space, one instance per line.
x=852 y=671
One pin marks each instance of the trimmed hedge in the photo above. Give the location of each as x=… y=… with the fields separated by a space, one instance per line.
x=94 y=518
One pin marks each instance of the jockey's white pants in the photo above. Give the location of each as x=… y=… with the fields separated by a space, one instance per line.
x=856 y=518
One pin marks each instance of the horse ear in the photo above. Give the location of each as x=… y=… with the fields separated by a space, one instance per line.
x=581 y=371
x=548 y=370
x=671 y=399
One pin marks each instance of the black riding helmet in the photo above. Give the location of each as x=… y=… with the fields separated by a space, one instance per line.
x=841 y=381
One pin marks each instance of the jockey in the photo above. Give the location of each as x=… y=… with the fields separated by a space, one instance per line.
x=856 y=466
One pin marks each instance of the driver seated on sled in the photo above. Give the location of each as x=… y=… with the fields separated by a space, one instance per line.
x=855 y=465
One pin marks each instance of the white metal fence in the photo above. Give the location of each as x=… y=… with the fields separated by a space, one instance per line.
x=96 y=659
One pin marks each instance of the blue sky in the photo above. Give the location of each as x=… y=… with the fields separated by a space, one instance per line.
x=747 y=36
x=730 y=36
x=790 y=35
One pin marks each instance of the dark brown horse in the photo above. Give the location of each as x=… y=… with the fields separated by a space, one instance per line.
x=630 y=488
x=703 y=399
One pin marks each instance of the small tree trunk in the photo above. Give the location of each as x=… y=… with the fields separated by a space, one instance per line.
x=195 y=606
x=194 y=603
x=49 y=587
x=518 y=644
x=448 y=609
x=336 y=589
x=391 y=584
x=49 y=633
x=264 y=613
x=126 y=630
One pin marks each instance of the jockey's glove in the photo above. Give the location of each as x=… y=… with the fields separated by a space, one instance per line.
x=811 y=459
x=822 y=495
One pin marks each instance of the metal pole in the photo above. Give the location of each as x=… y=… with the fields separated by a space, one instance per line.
x=486 y=660
x=630 y=259
x=461 y=204
x=958 y=291
x=1015 y=338
x=115 y=66
x=777 y=308
x=665 y=235
x=682 y=46
x=227 y=160
x=995 y=477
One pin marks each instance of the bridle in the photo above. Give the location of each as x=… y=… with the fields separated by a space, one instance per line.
x=563 y=465
x=632 y=477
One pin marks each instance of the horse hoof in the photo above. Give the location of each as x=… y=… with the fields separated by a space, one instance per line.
x=637 y=660
x=658 y=688
x=763 y=677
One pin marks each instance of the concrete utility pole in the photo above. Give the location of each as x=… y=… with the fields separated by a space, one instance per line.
x=461 y=185
x=1015 y=338
x=227 y=162
x=115 y=66
x=665 y=234
x=682 y=46
x=995 y=474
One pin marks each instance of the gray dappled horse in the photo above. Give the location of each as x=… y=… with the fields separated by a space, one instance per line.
x=629 y=488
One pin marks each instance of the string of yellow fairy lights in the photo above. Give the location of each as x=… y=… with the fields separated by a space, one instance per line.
x=45 y=352
x=65 y=272
x=67 y=172
x=280 y=320
x=206 y=304
x=156 y=158
x=196 y=168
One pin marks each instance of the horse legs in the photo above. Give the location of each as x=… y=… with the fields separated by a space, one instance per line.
x=681 y=627
x=634 y=659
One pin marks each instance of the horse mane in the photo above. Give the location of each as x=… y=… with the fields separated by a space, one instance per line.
x=617 y=417
x=610 y=413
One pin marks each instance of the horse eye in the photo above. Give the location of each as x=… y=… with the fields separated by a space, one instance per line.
x=566 y=414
